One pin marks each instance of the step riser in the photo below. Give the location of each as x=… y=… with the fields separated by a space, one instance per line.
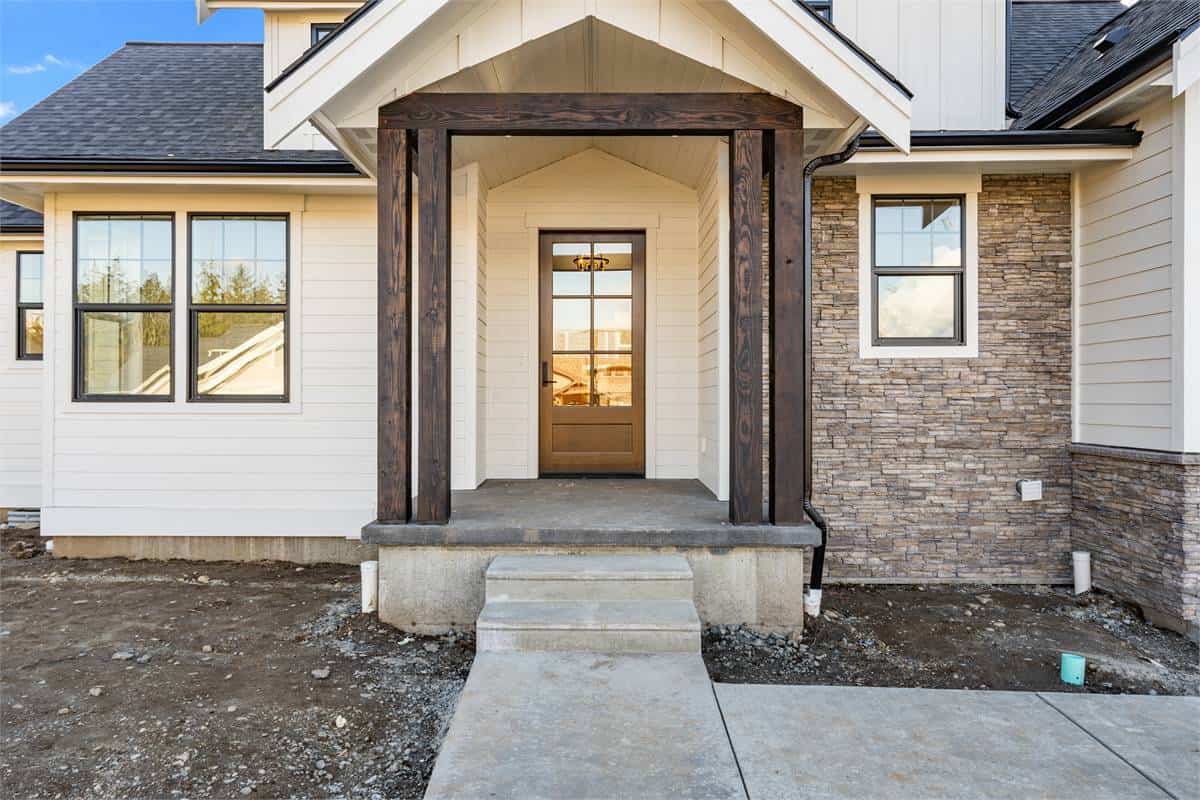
x=576 y=640
x=587 y=590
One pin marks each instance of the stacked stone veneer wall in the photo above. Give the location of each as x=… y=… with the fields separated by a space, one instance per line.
x=916 y=459
x=1138 y=513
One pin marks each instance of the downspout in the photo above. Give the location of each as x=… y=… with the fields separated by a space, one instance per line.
x=812 y=598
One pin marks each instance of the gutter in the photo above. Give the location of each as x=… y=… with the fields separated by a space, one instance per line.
x=299 y=168
x=812 y=598
x=1068 y=137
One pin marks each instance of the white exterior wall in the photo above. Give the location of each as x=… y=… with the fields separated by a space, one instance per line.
x=286 y=35
x=1127 y=298
x=713 y=329
x=20 y=394
x=1185 y=202
x=950 y=53
x=592 y=190
x=468 y=328
x=304 y=468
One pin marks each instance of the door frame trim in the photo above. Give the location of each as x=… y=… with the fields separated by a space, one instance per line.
x=584 y=223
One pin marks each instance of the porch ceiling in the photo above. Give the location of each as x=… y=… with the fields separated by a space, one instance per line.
x=652 y=46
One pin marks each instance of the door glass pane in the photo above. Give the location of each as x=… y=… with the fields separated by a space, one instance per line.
x=240 y=353
x=571 y=380
x=31 y=323
x=614 y=324
x=127 y=352
x=571 y=262
x=916 y=306
x=613 y=268
x=572 y=325
x=613 y=377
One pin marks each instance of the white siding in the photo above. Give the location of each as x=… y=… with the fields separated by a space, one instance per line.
x=307 y=467
x=20 y=395
x=598 y=191
x=949 y=53
x=468 y=329
x=286 y=35
x=712 y=331
x=1124 y=293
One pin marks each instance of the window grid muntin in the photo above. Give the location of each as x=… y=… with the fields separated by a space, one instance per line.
x=23 y=353
x=80 y=309
x=959 y=273
x=195 y=309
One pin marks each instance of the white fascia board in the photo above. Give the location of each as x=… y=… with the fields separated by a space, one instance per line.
x=1036 y=156
x=339 y=62
x=20 y=195
x=17 y=238
x=1185 y=61
x=1153 y=77
x=834 y=64
x=27 y=189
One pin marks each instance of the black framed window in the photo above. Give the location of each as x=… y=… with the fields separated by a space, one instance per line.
x=238 y=308
x=319 y=30
x=124 y=267
x=917 y=270
x=30 y=313
x=822 y=7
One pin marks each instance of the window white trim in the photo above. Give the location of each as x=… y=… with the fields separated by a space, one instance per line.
x=967 y=184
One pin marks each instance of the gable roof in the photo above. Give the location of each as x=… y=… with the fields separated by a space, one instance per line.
x=19 y=219
x=159 y=106
x=1042 y=32
x=1085 y=76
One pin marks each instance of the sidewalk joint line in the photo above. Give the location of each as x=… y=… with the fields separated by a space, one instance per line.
x=736 y=761
x=1104 y=744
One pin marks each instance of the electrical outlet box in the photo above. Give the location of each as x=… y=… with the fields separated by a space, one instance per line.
x=1029 y=490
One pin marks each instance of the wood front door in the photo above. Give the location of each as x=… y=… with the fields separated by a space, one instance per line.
x=592 y=416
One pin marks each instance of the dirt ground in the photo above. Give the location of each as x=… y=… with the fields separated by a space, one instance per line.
x=963 y=637
x=123 y=679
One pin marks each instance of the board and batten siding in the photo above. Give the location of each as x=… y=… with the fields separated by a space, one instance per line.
x=1124 y=294
x=20 y=394
x=304 y=468
x=950 y=53
x=591 y=190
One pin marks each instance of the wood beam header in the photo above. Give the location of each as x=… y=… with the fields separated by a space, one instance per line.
x=551 y=114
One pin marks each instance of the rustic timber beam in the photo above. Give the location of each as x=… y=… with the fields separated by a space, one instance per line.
x=394 y=499
x=746 y=341
x=789 y=381
x=700 y=113
x=433 y=295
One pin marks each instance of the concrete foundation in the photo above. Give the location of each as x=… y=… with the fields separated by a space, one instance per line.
x=433 y=589
x=295 y=549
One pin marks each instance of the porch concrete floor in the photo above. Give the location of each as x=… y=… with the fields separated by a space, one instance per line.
x=591 y=511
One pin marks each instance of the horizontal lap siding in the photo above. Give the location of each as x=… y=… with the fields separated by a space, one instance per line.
x=713 y=245
x=20 y=398
x=1125 y=294
x=185 y=468
x=591 y=190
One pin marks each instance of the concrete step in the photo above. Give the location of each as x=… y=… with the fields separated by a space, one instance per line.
x=646 y=626
x=590 y=578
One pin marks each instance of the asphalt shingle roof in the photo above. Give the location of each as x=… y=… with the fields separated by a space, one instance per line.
x=1044 y=32
x=159 y=103
x=1084 y=75
x=15 y=217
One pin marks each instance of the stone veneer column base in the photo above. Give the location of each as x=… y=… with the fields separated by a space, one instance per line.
x=433 y=589
x=1138 y=513
x=294 y=549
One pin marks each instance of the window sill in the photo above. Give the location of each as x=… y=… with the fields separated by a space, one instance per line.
x=179 y=408
x=866 y=351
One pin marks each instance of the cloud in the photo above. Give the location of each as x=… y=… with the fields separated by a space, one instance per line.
x=40 y=66
x=7 y=109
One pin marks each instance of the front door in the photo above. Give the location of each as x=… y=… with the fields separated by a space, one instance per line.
x=592 y=372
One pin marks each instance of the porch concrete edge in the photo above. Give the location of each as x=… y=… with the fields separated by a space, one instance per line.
x=476 y=535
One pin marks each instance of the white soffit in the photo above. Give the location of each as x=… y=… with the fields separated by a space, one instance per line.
x=400 y=46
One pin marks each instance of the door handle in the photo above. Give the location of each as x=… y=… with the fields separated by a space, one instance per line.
x=546 y=381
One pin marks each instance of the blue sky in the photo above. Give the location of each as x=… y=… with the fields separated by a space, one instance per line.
x=45 y=43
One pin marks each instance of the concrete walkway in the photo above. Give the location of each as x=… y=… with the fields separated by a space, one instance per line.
x=576 y=726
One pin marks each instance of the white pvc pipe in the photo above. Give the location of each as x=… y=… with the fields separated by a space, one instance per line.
x=1082 y=562
x=812 y=602
x=370 y=586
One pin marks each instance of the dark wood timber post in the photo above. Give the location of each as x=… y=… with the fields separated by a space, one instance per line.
x=433 y=339
x=746 y=373
x=789 y=383
x=394 y=502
